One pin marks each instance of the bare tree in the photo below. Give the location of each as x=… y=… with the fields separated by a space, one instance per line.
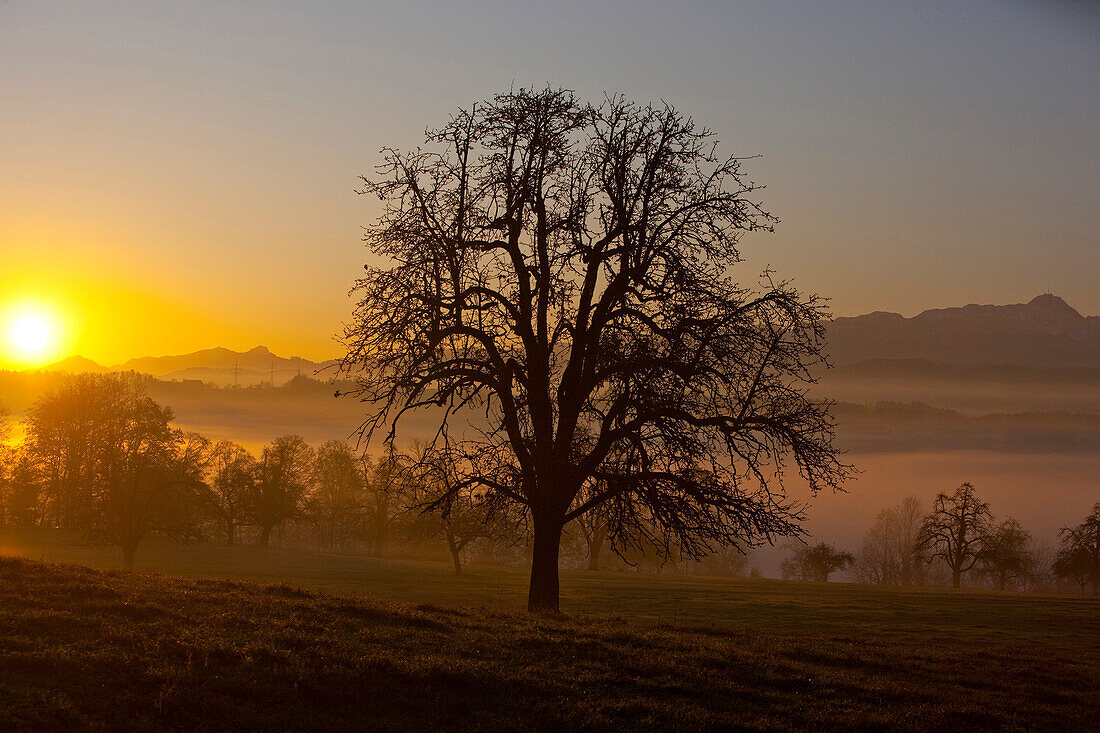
x=957 y=531
x=233 y=473
x=62 y=429
x=816 y=562
x=563 y=270
x=337 y=506
x=459 y=517
x=1008 y=559
x=594 y=528
x=888 y=553
x=286 y=468
x=384 y=479
x=1079 y=557
x=136 y=474
x=20 y=486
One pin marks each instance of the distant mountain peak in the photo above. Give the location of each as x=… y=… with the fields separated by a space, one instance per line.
x=74 y=363
x=1052 y=302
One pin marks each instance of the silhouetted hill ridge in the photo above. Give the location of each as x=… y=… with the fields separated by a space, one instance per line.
x=1046 y=332
x=219 y=365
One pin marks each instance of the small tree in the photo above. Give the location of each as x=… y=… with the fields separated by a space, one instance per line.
x=1079 y=557
x=65 y=433
x=957 y=531
x=814 y=563
x=888 y=553
x=384 y=481
x=1008 y=558
x=1073 y=564
x=232 y=476
x=336 y=508
x=595 y=529
x=566 y=271
x=286 y=468
x=458 y=517
x=731 y=562
x=20 y=486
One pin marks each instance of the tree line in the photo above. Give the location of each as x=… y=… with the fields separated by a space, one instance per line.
x=958 y=539
x=101 y=458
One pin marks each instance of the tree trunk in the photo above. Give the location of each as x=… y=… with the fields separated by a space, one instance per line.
x=230 y=530
x=128 y=551
x=543 y=596
x=265 y=535
x=595 y=545
x=956 y=577
x=456 y=555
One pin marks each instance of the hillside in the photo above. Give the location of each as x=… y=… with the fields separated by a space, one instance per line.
x=221 y=655
x=220 y=366
x=1044 y=333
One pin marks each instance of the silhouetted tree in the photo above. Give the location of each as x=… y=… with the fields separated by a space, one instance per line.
x=816 y=562
x=564 y=269
x=731 y=562
x=384 y=487
x=594 y=528
x=459 y=518
x=123 y=470
x=1073 y=564
x=957 y=531
x=1079 y=557
x=64 y=431
x=1008 y=557
x=233 y=473
x=888 y=553
x=20 y=486
x=337 y=506
x=286 y=467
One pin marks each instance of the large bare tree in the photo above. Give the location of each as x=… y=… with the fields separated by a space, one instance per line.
x=564 y=271
x=957 y=531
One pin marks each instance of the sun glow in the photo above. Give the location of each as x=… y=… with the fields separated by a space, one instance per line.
x=32 y=334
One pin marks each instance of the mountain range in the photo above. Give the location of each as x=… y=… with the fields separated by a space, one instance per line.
x=1044 y=333
x=222 y=366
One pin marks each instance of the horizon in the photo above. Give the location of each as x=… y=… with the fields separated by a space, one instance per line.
x=14 y=365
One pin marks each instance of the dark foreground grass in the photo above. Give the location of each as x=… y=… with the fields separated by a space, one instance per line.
x=83 y=648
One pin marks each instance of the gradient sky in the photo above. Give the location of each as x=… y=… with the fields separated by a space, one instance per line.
x=175 y=176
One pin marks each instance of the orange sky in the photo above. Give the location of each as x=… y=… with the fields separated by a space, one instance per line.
x=177 y=176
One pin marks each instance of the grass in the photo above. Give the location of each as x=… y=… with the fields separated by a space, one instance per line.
x=88 y=648
x=775 y=605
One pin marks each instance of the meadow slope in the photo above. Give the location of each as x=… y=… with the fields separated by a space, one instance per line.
x=88 y=648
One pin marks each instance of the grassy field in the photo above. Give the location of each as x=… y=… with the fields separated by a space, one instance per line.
x=406 y=644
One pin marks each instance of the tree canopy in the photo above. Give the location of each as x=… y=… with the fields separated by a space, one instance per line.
x=564 y=270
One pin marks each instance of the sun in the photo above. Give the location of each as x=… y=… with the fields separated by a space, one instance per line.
x=32 y=334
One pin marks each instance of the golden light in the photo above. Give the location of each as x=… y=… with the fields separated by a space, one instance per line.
x=32 y=334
